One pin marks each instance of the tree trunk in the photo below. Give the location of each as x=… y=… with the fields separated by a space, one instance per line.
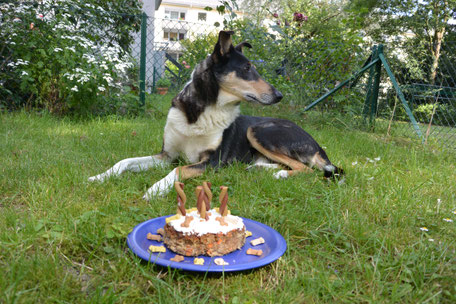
x=438 y=37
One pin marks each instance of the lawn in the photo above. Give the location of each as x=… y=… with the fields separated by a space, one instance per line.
x=63 y=239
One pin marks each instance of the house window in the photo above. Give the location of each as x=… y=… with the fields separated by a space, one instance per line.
x=173 y=35
x=202 y=16
x=174 y=15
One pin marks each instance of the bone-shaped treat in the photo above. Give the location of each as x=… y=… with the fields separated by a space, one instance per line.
x=177 y=258
x=187 y=221
x=220 y=262
x=154 y=237
x=254 y=252
x=161 y=231
x=257 y=241
x=153 y=248
x=221 y=220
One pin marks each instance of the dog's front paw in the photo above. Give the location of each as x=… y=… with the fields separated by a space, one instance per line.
x=97 y=178
x=281 y=174
x=162 y=187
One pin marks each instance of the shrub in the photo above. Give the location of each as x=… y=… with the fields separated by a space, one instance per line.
x=57 y=55
x=163 y=83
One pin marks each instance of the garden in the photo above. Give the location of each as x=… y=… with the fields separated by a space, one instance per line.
x=69 y=109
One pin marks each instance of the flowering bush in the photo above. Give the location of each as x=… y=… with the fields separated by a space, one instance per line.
x=63 y=55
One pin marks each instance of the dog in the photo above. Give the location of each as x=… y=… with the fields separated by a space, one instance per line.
x=205 y=126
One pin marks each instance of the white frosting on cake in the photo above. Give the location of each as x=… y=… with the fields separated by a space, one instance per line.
x=200 y=226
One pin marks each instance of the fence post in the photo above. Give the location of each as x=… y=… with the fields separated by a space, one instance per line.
x=401 y=97
x=142 y=61
x=154 y=80
x=368 y=99
x=375 y=88
x=342 y=84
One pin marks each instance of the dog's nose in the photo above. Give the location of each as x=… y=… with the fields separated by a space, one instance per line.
x=277 y=95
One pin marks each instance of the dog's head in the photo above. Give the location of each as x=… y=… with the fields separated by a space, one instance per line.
x=237 y=76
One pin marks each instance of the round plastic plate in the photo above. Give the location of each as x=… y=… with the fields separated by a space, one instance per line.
x=273 y=248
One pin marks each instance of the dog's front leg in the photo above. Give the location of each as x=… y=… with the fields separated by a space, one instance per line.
x=163 y=186
x=135 y=164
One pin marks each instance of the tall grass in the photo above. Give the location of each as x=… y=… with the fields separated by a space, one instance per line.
x=62 y=239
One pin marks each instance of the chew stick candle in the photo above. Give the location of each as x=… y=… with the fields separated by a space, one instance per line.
x=223 y=200
x=201 y=204
x=181 y=198
x=208 y=194
x=198 y=190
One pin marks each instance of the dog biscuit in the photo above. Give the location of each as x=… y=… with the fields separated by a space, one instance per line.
x=172 y=218
x=177 y=258
x=153 y=248
x=220 y=262
x=254 y=252
x=257 y=241
x=154 y=237
x=198 y=261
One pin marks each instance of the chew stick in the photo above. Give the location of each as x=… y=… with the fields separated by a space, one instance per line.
x=199 y=198
x=181 y=198
x=223 y=200
x=200 y=203
x=208 y=192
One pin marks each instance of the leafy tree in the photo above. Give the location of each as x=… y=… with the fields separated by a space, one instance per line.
x=424 y=22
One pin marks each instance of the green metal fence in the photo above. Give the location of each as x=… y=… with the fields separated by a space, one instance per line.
x=392 y=89
x=158 y=49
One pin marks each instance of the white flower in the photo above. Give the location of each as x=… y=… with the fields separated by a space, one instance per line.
x=16 y=20
x=24 y=73
x=377 y=158
x=58 y=49
x=354 y=163
x=101 y=89
x=74 y=89
x=448 y=220
x=431 y=240
x=424 y=229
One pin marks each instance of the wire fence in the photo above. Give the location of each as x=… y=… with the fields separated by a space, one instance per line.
x=420 y=103
x=163 y=50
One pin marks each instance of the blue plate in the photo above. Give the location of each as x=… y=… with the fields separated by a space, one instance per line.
x=273 y=248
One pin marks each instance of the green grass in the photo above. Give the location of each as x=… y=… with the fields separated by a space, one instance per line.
x=62 y=239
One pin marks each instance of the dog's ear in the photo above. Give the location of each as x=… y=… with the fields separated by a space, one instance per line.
x=241 y=45
x=223 y=45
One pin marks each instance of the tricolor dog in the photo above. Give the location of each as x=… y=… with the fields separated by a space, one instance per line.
x=205 y=126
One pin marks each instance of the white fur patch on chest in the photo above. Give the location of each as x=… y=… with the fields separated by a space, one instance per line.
x=205 y=134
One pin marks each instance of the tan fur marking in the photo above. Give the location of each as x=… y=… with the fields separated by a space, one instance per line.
x=318 y=160
x=261 y=86
x=186 y=172
x=237 y=86
x=295 y=165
